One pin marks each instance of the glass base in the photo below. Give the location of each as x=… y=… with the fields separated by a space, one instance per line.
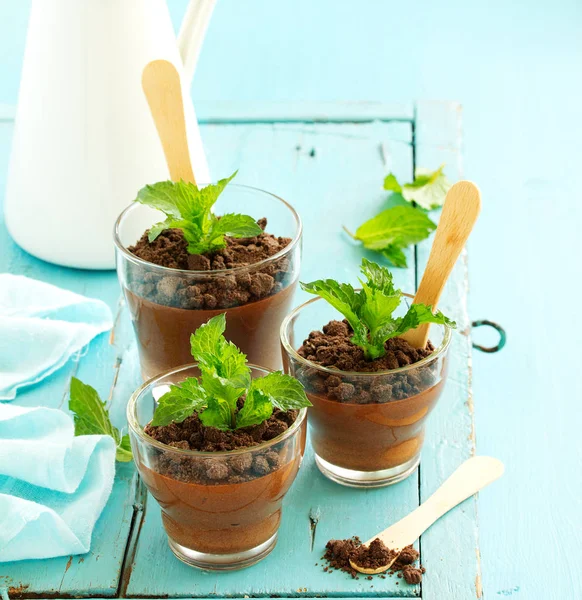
x=367 y=479
x=223 y=562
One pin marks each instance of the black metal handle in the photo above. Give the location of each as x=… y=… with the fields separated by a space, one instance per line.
x=500 y=331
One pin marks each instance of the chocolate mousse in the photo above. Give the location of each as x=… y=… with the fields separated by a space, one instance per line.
x=227 y=498
x=367 y=423
x=239 y=279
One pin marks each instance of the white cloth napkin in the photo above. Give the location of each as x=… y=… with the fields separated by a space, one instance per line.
x=41 y=326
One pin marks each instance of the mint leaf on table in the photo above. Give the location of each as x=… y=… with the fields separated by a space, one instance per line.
x=391 y=184
x=92 y=418
x=123 y=452
x=394 y=229
x=370 y=310
x=224 y=378
x=189 y=209
x=428 y=190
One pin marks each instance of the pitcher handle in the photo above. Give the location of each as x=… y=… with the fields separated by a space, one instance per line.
x=192 y=33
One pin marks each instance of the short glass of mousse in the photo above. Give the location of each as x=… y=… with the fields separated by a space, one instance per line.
x=221 y=503
x=368 y=418
x=170 y=292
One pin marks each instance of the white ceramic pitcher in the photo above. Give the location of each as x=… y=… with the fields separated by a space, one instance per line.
x=84 y=139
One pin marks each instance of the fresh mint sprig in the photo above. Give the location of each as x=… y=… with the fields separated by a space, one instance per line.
x=369 y=311
x=226 y=377
x=395 y=229
x=190 y=209
x=92 y=418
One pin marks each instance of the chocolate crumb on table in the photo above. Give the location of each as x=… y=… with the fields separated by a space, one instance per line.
x=338 y=554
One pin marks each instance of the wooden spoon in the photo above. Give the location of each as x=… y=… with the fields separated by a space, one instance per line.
x=161 y=85
x=460 y=211
x=473 y=475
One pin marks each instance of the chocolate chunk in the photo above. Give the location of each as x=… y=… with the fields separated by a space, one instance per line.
x=261 y=284
x=412 y=575
x=198 y=262
x=261 y=465
x=217 y=470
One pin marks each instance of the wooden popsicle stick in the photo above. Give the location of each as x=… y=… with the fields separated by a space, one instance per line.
x=460 y=211
x=473 y=475
x=161 y=85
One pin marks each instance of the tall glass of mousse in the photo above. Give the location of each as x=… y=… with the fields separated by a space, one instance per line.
x=221 y=509
x=367 y=422
x=170 y=292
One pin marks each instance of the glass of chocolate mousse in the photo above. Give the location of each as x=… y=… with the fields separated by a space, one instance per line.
x=368 y=418
x=220 y=492
x=170 y=291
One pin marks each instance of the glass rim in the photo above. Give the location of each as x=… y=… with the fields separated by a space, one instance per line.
x=138 y=430
x=168 y=270
x=442 y=348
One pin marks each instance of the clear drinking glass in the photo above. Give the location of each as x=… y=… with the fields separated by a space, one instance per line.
x=213 y=524
x=367 y=429
x=164 y=303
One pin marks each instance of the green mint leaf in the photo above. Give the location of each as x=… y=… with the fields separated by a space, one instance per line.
x=169 y=223
x=283 y=391
x=378 y=278
x=417 y=315
x=218 y=414
x=180 y=402
x=257 y=408
x=206 y=341
x=218 y=357
x=341 y=296
x=400 y=226
x=164 y=195
x=226 y=389
x=395 y=255
x=391 y=184
x=92 y=417
x=237 y=226
x=428 y=189
x=123 y=452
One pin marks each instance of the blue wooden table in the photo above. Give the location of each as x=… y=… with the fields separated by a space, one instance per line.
x=514 y=66
x=329 y=161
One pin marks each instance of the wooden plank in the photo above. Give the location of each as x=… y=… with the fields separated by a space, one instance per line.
x=333 y=174
x=97 y=572
x=449 y=550
x=307 y=112
x=222 y=112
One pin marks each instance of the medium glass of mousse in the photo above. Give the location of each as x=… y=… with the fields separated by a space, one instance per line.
x=220 y=491
x=171 y=292
x=368 y=418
